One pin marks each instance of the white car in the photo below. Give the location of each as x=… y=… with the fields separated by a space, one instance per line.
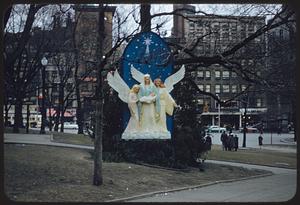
x=69 y=125
x=215 y=128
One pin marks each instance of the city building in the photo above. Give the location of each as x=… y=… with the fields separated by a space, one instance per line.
x=216 y=34
x=61 y=55
x=281 y=69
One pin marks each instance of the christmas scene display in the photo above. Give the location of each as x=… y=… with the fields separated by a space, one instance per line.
x=147 y=70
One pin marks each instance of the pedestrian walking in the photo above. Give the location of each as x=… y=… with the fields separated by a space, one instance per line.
x=279 y=130
x=260 y=141
x=223 y=140
x=236 y=142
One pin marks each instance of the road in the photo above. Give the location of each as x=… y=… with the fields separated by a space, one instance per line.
x=276 y=188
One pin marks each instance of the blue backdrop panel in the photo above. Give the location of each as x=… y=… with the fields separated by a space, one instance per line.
x=148 y=53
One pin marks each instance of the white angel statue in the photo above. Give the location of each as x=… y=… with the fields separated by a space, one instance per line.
x=130 y=97
x=166 y=102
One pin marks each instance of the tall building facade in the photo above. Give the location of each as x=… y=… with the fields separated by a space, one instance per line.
x=86 y=32
x=215 y=35
x=281 y=69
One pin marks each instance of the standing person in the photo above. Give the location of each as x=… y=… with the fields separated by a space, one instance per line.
x=223 y=140
x=236 y=142
x=230 y=141
x=260 y=140
x=279 y=130
x=208 y=142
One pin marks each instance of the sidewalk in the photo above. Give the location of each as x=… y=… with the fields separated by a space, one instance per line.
x=39 y=139
x=281 y=186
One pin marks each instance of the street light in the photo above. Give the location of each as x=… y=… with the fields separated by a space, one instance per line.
x=44 y=63
x=219 y=113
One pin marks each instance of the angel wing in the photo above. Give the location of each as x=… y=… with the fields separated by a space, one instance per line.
x=175 y=78
x=117 y=83
x=137 y=75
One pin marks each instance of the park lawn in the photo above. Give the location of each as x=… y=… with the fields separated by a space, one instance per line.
x=78 y=139
x=54 y=174
x=255 y=156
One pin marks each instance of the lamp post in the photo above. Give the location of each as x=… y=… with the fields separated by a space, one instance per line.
x=219 y=113
x=44 y=63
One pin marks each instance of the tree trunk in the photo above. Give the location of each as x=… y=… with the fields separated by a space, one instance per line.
x=79 y=111
x=7 y=108
x=18 y=115
x=57 y=119
x=79 y=115
x=145 y=17
x=61 y=107
x=98 y=178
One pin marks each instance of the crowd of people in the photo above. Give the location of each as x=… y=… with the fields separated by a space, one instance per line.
x=229 y=141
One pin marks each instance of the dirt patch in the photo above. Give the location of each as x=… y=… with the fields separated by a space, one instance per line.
x=52 y=174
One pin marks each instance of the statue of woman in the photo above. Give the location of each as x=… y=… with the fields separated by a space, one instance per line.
x=149 y=107
x=132 y=129
x=167 y=105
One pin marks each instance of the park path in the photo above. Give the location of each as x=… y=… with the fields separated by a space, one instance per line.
x=38 y=139
x=279 y=187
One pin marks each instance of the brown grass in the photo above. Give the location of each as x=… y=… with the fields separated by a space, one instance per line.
x=255 y=156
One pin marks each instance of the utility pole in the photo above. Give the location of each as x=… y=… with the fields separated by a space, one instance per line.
x=98 y=178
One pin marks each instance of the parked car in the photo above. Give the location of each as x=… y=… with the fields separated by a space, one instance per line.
x=249 y=129
x=69 y=125
x=215 y=128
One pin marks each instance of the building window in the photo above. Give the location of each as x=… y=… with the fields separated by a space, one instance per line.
x=200 y=74
x=243 y=62
x=233 y=74
x=217 y=74
x=200 y=101
x=225 y=88
x=207 y=88
x=225 y=74
x=234 y=88
x=258 y=102
x=207 y=74
x=217 y=88
x=243 y=87
x=201 y=87
x=281 y=34
x=258 y=73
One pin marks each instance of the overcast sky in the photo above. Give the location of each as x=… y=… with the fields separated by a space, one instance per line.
x=44 y=20
x=220 y=9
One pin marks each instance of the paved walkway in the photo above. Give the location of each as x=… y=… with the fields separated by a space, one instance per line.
x=275 y=188
x=39 y=139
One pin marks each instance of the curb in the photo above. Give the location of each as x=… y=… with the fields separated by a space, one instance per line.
x=186 y=188
x=252 y=164
x=54 y=144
